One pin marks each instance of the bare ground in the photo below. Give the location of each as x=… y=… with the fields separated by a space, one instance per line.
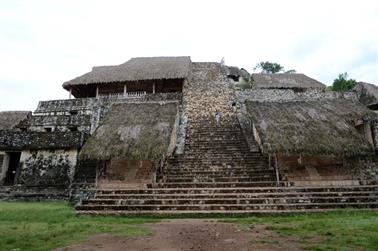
x=192 y=235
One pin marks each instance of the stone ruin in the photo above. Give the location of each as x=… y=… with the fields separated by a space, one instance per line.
x=141 y=138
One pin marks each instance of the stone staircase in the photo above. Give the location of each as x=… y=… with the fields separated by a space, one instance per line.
x=214 y=177
x=219 y=173
x=254 y=200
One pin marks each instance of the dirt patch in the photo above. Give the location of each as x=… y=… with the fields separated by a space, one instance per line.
x=192 y=235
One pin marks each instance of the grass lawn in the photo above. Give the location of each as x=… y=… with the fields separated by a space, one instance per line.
x=47 y=225
x=338 y=230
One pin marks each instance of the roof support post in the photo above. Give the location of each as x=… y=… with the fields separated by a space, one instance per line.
x=70 y=95
x=96 y=91
x=153 y=87
x=125 y=90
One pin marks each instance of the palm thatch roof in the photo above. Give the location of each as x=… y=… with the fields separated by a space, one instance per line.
x=367 y=93
x=310 y=127
x=136 y=69
x=10 y=119
x=285 y=81
x=19 y=140
x=132 y=131
x=235 y=71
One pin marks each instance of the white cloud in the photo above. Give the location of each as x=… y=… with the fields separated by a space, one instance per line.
x=44 y=43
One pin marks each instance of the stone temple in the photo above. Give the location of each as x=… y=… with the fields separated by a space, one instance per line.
x=165 y=135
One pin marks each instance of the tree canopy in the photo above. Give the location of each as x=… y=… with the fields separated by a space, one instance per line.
x=342 y=83
x=269 y=67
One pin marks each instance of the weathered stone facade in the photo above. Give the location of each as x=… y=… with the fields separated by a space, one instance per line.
x=51 y=141
x=47 y=168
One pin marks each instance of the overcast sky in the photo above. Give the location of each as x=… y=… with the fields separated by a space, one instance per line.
x=45 y=43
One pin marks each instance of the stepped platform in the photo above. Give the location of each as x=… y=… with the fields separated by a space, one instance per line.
x=230 y=201
x=219 y=172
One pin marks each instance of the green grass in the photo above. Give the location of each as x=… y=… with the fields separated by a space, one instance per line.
x=339 y=230
x=47 y=225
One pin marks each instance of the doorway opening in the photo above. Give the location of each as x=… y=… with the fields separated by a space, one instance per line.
x=14 y=162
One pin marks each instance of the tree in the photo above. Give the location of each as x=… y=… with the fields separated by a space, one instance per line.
x=342 y=83
x=268 y=67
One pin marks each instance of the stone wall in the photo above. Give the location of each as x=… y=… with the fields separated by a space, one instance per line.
x=33 y=193
x=327 y=170
x=62 y=123
x=18 y=141
x=4 y=162
x=282 y=95
x=85 y=105
x=206 y=92
x=365 y=169
x=47 y=167
x=84 y=114
x=374 y=133
x=249 y=131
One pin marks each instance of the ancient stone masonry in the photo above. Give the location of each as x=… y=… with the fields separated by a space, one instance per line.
x=142 y=138
x=19 y=140
x=47 y=168
x=62 y=123
x=85 y=113
x=289 y=95
x=363 y=169
x=207 y=92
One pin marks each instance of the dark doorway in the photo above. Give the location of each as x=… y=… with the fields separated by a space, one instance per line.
x=14 y=161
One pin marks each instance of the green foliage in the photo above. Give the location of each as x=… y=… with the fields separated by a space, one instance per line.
x=339 y=230
x=342 y=83
x=269 y=67
x=45 y=226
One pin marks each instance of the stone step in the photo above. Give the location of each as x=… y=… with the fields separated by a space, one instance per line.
x=218 y=167
x=216 y=184
x=229 y=201
x=220 y=160
x=192 y=173
x=247 y=155
x=191 y=148
x=241 y=190
x=230 y=139
x=215 y=161
x=201 y=153
x=294 y=194
x=227 y=164
x=251 y=154
x=208 y=213
x=169 y=179
x=226 y=207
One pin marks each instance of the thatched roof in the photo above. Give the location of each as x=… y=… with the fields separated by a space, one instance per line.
x=18 y=140
x=235 y=71
x=132 y=131
x=136 y=69
x=285 y=81
x=367 y=93
x=313 y=127
x=10 y=119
